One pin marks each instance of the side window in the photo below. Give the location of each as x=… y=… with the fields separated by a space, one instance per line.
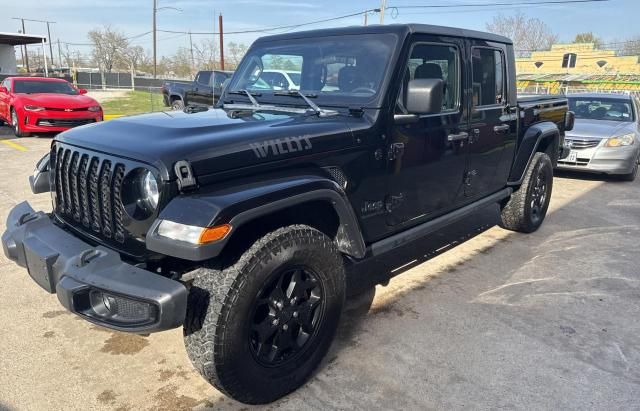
x=428 y=61
x=7 y=84
x=218 y=79
x=277 y=81
x=204 y=78
x=488 y=77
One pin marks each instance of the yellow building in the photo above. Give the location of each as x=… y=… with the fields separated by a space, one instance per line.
x=577 y=66
x=577 y=58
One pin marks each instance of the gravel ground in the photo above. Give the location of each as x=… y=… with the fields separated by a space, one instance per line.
x=478 y=318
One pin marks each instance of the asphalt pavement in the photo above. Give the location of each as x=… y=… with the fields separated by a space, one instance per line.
x=474 y=318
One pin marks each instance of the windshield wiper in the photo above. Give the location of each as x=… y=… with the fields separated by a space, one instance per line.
x=317 y=109
x=247 y=93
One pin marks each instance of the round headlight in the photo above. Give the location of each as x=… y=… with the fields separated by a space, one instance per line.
x=150 y=192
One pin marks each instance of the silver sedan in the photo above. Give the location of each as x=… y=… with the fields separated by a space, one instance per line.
x=606 y=135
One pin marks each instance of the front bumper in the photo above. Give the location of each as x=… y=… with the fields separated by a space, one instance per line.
x=57 y=121
x=92 y=282
x=606 y=160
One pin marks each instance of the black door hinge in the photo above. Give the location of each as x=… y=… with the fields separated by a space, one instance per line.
x=395 y=151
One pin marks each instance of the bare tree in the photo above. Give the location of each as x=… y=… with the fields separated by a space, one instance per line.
x=527 y=34
x=629 y=46
x=205 y=55
x=108 y=48
x=236 y=52
x=588 y=37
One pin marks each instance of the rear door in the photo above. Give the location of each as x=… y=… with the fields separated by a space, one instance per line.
x=428 y=158
x=492 y=127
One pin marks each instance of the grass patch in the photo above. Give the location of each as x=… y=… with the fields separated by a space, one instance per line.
x=135 y=102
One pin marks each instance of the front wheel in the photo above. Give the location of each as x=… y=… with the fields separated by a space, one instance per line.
x=634 y=172
x=258 y=328
x=17 y=128
x=526 y=209
x=177 y=105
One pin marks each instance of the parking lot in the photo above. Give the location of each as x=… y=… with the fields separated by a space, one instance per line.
x=480 y=318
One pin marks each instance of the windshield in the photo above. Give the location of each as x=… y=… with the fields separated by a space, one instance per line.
x=337 y=70
x=601 y=108
x=35 y=86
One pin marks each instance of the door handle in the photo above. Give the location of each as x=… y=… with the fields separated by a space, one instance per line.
x=458 y=137
x=503 y=129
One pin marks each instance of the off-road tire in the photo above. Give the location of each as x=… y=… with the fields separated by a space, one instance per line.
x=177 y=105
x=222 y=300
x=17 y=130
x=633 y=174
x=518 y=214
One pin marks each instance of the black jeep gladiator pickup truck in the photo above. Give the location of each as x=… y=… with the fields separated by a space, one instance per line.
x=206 y=87
x=237 y=222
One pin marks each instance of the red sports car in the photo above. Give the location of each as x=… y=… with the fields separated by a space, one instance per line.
x=43 y=105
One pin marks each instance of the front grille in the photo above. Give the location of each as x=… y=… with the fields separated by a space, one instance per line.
x=75 y=122
x=88 y=192
x=66 y=109
x=581 y=144
x=579 y=162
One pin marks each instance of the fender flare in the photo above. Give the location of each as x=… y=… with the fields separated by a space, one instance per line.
x=528 y=146
x=243 y=203
x=171 y=95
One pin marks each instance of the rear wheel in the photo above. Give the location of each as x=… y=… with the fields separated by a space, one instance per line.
x=526 y=209
x=17 y=127
x=257 y=329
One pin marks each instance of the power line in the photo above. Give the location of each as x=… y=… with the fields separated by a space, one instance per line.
x=442 y=6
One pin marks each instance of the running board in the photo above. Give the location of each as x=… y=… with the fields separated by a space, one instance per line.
x=396 y=240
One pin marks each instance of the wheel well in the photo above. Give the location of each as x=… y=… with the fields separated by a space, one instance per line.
x=174 y=97
x=318 y=214
x=549 y=145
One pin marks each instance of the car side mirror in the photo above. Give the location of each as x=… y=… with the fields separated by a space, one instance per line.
x=424 y=96
x=569 y=120
x=4 y=90
x=82 y=90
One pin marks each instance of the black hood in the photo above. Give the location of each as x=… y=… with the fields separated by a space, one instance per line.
x=212 y=141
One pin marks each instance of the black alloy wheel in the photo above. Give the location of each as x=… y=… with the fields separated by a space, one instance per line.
x=286 y=316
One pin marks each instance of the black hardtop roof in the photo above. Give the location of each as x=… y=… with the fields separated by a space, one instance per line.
x=400 y=29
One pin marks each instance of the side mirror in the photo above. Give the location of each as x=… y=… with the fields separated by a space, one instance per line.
x=4 y=90
x=424 y=96
x=569 y=120
x=82 y=90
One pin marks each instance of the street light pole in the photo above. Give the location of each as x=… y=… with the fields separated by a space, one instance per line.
x=383 y=7
x=50 y=45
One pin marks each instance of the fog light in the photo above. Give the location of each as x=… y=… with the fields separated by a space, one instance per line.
x=121 y=310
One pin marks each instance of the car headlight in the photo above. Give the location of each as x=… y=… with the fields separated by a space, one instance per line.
x=95 y=109
x=619 y=141
x=34 y=108
x=149 y=190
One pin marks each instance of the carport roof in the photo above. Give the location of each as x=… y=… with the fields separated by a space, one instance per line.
x=17 y=39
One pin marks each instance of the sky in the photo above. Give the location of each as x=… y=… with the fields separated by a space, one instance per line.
x=612 y=20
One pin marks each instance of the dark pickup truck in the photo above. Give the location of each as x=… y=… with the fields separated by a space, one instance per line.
x=238 y=223
x=201 y=92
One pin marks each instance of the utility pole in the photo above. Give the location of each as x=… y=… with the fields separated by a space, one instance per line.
x=383 y=7
x=25 y=60
x=221 y=42
x=50 y=45
x=193 y=61
x=59 y=54
x=366 y=15
x=155 y=50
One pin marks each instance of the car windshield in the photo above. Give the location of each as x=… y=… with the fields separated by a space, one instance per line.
x=601 y=108
x=35 y=86
x=337 y=70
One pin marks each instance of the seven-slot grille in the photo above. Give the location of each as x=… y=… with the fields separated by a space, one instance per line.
x=581 y=144
x=88 y=192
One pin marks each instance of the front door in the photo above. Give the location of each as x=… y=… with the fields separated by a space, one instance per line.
x=427 y=159
x=492 y=129
x=202 y=92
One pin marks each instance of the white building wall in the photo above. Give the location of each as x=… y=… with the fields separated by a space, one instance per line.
x=7 y=59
